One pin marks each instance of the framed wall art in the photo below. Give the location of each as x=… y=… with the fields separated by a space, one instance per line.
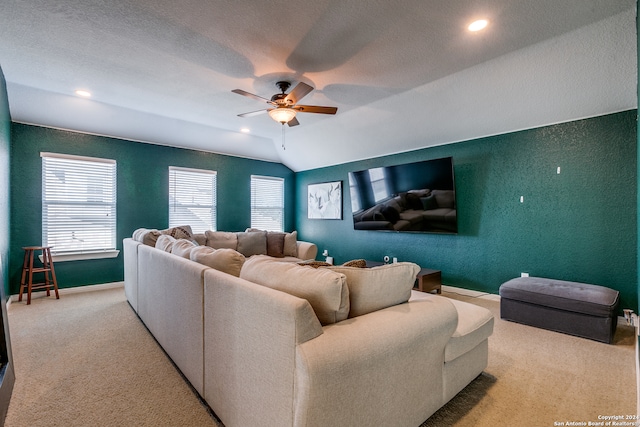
x=324 y=200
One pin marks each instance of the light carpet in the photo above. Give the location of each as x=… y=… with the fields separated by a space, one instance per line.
x=86 y=359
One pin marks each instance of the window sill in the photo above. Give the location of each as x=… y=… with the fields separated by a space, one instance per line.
x=78 y=256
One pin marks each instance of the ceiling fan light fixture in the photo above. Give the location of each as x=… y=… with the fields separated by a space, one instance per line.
x=282 y=114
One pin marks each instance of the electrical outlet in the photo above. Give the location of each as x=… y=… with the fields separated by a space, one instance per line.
x=524 y=274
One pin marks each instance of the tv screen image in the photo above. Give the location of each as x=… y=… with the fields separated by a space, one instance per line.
x=413 y=197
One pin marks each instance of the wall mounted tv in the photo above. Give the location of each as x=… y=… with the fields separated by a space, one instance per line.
x=415 y=197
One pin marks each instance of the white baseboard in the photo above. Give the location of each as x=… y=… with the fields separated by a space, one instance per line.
x=74 y=290
x=470 y=293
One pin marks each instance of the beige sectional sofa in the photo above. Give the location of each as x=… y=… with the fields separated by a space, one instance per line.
x=285 y=344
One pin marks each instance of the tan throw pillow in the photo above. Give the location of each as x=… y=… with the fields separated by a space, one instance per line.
x=360 y=263
x=252 y=243
x=146 y=236
x=181 y=232
x=182 y=248
x=291 y=244
x=275 y=244
x=165 y=242
x=225 y=260
x=200 y=239
x=372 y=289
x=222 y=239
x=325 y=290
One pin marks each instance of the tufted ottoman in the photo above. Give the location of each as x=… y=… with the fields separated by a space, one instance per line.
x=587 y=311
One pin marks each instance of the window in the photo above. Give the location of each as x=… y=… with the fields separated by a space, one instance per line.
x=78 y=206
x=192 y=198
x=379 y=184
x=267 y=203
x=353 y=190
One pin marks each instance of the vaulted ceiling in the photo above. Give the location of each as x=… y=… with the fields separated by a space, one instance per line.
x=404 y=74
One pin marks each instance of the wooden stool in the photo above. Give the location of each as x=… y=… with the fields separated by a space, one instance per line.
x=28 y=269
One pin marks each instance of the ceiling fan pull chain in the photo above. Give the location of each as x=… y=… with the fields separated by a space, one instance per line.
x=283 y=137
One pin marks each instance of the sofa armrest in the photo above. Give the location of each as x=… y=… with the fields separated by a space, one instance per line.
x=307 y=250
x=250 y=335
x=382 y=368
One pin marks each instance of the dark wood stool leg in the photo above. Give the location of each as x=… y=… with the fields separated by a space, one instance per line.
x=25 y=264
x=30 y=283
x=49 y=265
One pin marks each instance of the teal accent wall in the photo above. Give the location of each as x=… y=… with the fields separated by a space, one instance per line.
x=143 y=194
x=5 y=146
x=579 y=225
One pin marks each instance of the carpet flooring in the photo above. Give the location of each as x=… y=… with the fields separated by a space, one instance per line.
x=86 y=359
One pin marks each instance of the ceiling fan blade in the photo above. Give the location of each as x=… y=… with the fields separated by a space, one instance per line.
x=253 y=113
x=251 y=95
x=315 y=109
x=298 y=92
x=293 y=122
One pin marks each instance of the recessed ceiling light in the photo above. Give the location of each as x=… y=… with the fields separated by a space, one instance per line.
x=245 y=130
x=84 y=93
x=478 y=25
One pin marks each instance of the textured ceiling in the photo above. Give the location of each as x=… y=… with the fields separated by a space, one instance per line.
x=403 y=74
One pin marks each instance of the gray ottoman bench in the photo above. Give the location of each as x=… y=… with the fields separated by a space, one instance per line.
x=587 y=311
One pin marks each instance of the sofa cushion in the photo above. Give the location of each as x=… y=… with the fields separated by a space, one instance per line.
x=372 y=289
x=146 y=236
x=275 y=244
x=326 y=290
x=252 y=243
x=226 y=260
x=165 y=242
x=181 y=232
x=182 y=248
x=221 y=239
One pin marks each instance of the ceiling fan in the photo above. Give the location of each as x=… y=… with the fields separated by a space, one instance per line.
x=285 y=104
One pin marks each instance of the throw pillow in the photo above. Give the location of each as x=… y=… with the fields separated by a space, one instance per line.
x=326 y=290
x=413 y=201
x=315 y=264
x=445 y=198
x=275 y=244
x=221 y=239
x=291 y=244
x=165 y=242
x=429 y=202
x=182 y=248
x=226 y=260
x=181 y=232
x=252 y=243
x=372 y=289
x=146 y=236
x=359 y=263
x=391 y=214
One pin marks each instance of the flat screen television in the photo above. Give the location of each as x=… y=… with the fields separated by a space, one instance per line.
x=415 y=197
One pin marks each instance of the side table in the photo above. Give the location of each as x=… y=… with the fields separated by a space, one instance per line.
x=429 y=280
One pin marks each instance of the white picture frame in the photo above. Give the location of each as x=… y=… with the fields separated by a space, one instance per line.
x=324 y=200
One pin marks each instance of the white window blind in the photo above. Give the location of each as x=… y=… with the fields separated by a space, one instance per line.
x=267 y=203
x=78 y=204
x=192 y=198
